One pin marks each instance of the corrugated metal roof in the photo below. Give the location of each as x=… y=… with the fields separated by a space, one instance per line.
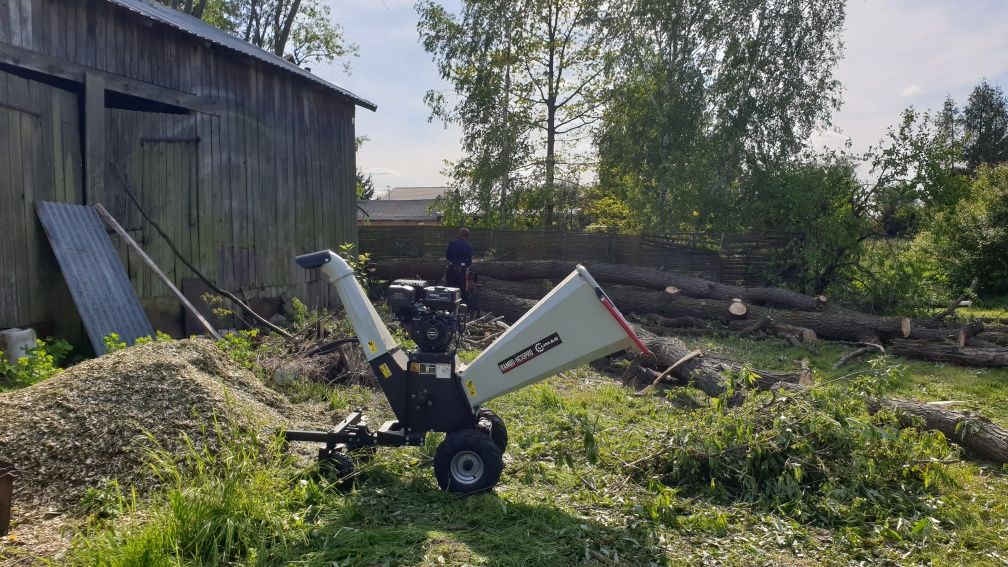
x=413 y=210
x=199 y=28
x=412 y=193
x=98 y=283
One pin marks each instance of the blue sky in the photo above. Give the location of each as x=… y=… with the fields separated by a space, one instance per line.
x=898 y=53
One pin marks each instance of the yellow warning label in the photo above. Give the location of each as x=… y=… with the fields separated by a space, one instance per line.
x=371 y=345
x=471 y=388
x=385 y=370
x=414 y=367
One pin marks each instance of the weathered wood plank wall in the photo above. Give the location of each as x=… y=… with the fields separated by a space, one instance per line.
x=264 y=172
x=39 y=160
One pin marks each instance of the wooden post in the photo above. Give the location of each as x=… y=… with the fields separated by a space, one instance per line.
x=94 y=137
x=114 y=225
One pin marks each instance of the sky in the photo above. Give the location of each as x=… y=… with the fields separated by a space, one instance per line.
x=897 y=53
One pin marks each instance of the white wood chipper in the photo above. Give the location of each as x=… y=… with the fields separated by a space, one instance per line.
x=429 y=389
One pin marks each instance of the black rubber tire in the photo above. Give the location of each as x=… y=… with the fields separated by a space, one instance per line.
x=498 y=431
x=467 y=462
x=337 y=468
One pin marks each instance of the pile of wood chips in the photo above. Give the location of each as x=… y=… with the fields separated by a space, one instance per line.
x=91 y=423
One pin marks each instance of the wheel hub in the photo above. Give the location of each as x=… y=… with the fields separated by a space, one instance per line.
x=466 y=467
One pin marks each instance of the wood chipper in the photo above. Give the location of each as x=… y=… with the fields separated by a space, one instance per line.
x=429 y=389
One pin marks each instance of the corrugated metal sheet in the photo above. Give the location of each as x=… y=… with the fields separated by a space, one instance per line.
x=415 y=210
x=98 y=283
x=412 y=193
x=199 y=28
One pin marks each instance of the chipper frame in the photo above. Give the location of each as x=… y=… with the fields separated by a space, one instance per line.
x=429 y=389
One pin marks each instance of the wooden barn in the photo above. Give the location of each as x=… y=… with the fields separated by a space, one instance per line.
x=242 y=157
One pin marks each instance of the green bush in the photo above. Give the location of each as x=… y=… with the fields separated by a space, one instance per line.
x=971 y=239
x=893 y=276
x=819 y=457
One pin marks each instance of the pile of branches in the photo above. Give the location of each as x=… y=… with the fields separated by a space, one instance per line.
x=483 y=330
x=694 y=306
x=323 y=350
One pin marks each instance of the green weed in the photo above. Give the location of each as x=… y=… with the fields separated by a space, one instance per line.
x=41 y=363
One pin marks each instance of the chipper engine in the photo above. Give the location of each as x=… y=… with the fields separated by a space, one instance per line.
x=429 y=389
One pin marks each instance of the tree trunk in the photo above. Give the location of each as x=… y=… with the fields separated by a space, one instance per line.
x=937 y=352
x=978 y=435
x=831 y=322
x=639 y=276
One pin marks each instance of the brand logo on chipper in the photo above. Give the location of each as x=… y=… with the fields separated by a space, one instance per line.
x=528 y=353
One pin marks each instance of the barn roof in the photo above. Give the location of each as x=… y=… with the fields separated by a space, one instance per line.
x=197 y=27
x=412 y=210
x=410 y=193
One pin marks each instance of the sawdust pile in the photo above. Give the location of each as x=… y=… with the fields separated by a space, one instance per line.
x=91 y=422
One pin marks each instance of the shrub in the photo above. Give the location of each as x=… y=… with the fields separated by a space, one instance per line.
x=818 y=457
x=893 y=276
x=971 y=239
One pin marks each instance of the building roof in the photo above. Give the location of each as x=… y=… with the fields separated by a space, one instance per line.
x=400 y=210
x=197 y=27
x=412 y=193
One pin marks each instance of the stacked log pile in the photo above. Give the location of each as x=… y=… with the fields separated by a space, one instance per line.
x=689 y=306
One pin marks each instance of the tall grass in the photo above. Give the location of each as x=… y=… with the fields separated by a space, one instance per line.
x=236 y=501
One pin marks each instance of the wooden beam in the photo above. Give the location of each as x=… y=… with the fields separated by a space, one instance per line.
x=114 y=225
x=94 y=137
x=32 y=61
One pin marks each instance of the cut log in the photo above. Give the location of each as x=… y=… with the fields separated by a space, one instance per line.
x=946 y=335
x=978 y=435
x=433 y=269
x=685 y=322
x=737 y=309
x=936 y=352
x=526 y=289
x=832 y=322
x=996 y=337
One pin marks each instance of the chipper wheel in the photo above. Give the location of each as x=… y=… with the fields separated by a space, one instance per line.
x=467 y=462
x=336 y=467
x=498 y=432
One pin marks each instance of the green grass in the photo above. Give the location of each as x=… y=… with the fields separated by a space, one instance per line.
x=572 y=486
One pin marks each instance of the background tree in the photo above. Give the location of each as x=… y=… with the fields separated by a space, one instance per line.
x=710 y=92
x=530 y=78
x=300 y=31
x=985 y=126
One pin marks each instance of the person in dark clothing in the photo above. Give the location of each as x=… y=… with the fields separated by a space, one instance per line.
x=459 y=255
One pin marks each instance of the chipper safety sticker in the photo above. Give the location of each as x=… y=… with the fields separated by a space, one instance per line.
x=528 y=353
x=385 y=371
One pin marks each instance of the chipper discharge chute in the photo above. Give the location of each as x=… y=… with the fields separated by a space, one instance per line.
x=429 y=389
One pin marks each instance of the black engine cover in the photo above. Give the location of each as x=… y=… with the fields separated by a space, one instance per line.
x=433 y=332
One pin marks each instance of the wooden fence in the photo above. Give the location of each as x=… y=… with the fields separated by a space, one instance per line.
x=730 y=258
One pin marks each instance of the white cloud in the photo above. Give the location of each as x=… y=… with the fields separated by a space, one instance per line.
x=910 y=91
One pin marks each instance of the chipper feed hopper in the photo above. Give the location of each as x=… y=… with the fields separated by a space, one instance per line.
x=429 y=389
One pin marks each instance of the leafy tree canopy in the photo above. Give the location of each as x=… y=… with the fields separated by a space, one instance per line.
x=301 y=31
